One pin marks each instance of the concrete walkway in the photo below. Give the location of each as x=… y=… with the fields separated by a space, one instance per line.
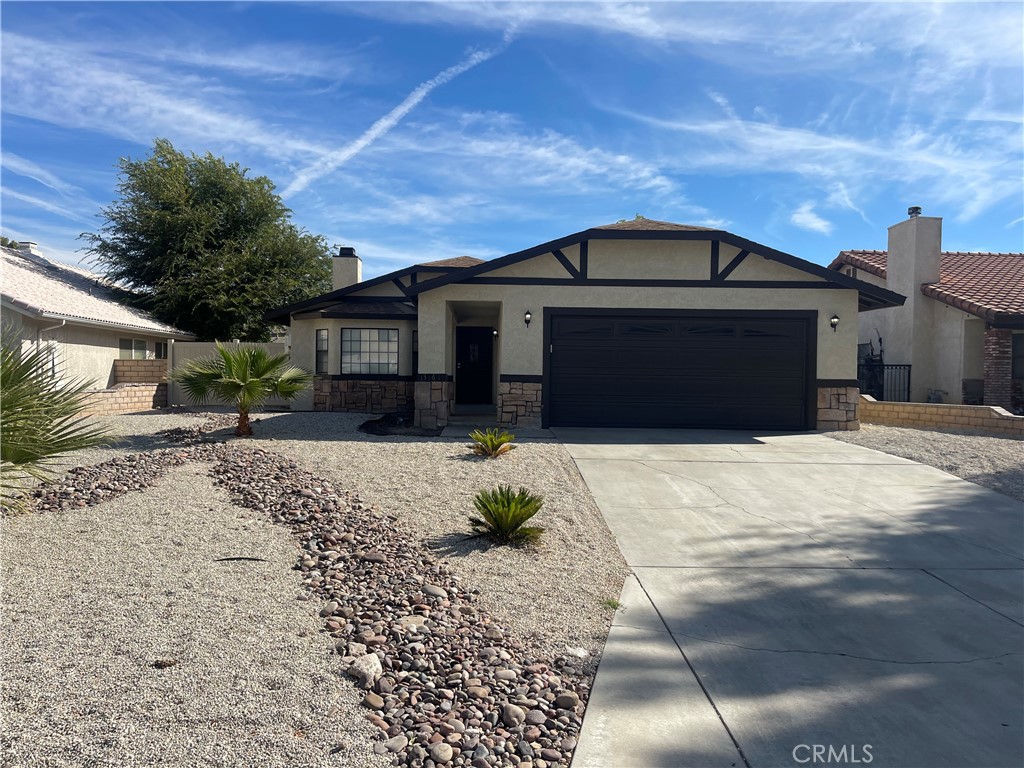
x=793 y=594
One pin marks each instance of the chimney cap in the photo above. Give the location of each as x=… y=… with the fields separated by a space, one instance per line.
x=914 y=211
x=346 y=252
x=28 y=245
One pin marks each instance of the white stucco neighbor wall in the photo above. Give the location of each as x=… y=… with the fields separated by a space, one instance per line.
x=82 y=351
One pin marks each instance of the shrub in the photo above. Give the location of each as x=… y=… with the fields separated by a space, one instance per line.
x=491 y=443
x=243 y=377
x=41 y=417
x=503 y=513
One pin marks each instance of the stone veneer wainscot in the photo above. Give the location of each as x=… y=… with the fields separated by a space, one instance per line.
x=362 y=395
x=837 y=408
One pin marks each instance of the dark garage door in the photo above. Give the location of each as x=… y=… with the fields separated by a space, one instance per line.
x=675 y=370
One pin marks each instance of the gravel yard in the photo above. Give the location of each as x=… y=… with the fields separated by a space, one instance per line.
x=96 y=599
x=254 y=680
x=994 y=462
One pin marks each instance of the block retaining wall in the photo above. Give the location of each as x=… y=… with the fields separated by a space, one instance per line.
x=975 y=418
x=127 y=398
x=140 y=371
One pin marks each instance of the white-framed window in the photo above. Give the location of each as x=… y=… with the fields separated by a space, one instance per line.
x=369 y=350
x=160 y=350
x=132 y=349
x=321 y=351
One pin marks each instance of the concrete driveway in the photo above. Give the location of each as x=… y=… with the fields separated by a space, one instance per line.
x=801 y=601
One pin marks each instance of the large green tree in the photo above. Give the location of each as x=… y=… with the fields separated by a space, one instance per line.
x=205 y=247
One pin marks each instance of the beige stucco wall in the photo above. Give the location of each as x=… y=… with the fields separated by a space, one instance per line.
x=655 y=259
x=303 y=350
x=82 y=351
x=521 y=348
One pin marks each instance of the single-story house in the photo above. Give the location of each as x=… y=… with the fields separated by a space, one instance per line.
x=75 y=313
x=639 y=323
x=961 y=329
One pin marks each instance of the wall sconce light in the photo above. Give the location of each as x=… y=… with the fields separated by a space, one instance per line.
x=834 y=322
x=527 y=318
x=495 y=332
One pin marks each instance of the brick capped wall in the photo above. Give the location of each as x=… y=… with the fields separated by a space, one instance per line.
x=973 y=418
x=127 y=398
x=140 y=371
x=998 y=367
x=362 y=395
x=519 y=404
x=837 y=408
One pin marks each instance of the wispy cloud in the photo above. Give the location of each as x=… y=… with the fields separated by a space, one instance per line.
x=971 y=177
x=334 y=160
x=24 y=167
x=805 y=218
x=63 y=85
x=46 y=205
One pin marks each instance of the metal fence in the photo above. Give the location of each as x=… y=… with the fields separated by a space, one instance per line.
x=884 y=382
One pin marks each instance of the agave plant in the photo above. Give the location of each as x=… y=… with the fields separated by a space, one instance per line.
x=41 y=417
x=243 y=377
x=491 y=442
x=504 y=512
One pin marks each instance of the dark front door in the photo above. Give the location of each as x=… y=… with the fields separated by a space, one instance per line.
x=680 y=370
x=474 y=365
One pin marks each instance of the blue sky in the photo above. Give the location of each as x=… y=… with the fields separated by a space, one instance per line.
x=423 y=131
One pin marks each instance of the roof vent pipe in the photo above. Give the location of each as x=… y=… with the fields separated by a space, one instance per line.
x=914 y=211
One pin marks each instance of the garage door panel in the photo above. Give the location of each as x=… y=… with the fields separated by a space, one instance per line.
x=678 y=371
x=670 y=389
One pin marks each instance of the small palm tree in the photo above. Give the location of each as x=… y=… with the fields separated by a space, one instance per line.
x=243 y=377
x=41 y=416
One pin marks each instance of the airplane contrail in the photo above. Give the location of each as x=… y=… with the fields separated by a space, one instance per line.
x=336 y=159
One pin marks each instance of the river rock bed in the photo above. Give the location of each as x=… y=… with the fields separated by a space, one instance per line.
x=443 y=681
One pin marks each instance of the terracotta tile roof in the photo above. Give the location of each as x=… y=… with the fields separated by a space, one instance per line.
x=989 y=285
x=643 y=224
x=458 y=261
x=44 y=287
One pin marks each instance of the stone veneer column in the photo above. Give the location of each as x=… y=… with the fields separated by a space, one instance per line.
x=519 y=404
x=998 y=366
x=837 y=408
x=433 y=404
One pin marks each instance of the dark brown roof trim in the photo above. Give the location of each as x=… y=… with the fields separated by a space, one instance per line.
x=872 y=296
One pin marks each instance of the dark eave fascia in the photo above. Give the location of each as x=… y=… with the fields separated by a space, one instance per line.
x=880 y=296
x=366 y=316
x=327 y=298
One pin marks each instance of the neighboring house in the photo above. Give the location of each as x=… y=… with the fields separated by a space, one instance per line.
x=640 y=323
x=76 y=314
x=961 y=330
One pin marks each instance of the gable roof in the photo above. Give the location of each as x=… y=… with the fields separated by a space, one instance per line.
x=330 y=301
x=870 y=296
x=39 y=286
x=987 y=285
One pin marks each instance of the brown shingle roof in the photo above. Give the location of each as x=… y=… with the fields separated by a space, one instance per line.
x=457 y=261
x=989 y=285
x=650 y=224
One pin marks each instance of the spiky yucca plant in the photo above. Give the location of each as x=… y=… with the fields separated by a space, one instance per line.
x=243 y=377
x=491 y=442
x=504 y=512
x=41 y=417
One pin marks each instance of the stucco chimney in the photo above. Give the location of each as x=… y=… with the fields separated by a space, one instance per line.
x=348 y=268
x=914 y=248
x=29 y=246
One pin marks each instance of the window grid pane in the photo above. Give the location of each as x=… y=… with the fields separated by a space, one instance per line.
x=369 y=350
x=321 y=352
